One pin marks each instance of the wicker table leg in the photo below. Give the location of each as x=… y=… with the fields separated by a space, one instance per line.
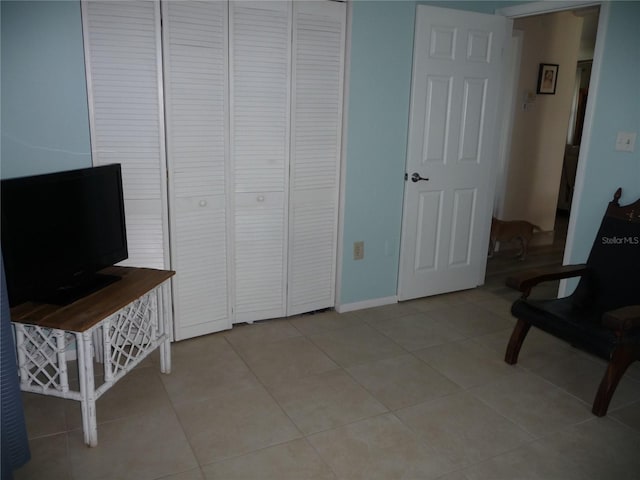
x=87 y=388
x=165 y=325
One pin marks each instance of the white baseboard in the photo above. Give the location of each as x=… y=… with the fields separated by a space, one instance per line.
x=374 y=302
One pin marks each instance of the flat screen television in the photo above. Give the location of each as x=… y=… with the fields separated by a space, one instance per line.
x=59 y=230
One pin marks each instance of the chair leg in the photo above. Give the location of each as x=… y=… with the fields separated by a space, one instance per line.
x=621 y=358
x=515 y=342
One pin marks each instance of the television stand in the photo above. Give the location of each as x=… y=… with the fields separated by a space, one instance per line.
x=71 y=293
x=118 y=325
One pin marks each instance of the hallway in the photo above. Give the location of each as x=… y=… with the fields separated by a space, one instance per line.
x=504 y=263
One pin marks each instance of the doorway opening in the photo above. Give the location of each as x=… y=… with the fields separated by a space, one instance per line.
x=543 y=149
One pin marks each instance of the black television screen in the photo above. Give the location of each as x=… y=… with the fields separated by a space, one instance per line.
x=59 y=230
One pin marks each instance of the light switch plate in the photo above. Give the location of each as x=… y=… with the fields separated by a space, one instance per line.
x=358 y=250
x=626 y=141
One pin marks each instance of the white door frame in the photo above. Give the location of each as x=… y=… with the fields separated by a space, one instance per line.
x=539 y=8
x=513 y=54
x=343 y=159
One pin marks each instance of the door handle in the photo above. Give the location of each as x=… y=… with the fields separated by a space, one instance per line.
x=415 y=177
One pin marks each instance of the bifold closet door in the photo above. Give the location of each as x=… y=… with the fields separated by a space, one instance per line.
x=316 y=131
x=253 y=98
x=195 y=48
x=124 y=86
x=260 y=59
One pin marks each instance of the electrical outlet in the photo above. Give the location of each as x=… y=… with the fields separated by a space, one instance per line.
x=358 y=250
x=626 y=141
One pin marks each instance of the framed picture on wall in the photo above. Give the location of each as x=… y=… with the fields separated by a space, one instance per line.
x=547 y=78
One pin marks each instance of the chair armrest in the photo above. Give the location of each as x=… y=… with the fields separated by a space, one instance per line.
x=525 y=281
x=623 y=318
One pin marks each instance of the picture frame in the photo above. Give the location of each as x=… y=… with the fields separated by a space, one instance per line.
x=547 y=79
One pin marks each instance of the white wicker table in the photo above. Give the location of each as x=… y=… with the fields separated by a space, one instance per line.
x=118 y=326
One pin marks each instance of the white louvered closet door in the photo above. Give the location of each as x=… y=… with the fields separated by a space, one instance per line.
x=316 y=132
x=196 y=71
x=122 y=58
x=260 y=58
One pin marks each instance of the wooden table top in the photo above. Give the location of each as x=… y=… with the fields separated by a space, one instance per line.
x=86 y=312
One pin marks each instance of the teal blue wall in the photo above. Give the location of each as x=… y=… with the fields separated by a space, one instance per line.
x=380 y=74
x=617 y=108
x=375 y=156
x=479 y=6
x=45 y=120
x=44 y=100
x=377 y=128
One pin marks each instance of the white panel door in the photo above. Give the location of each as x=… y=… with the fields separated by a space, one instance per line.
x=316 y=130
x=452 y=142
x=260 y=59
x=195 y=55
x=124 y=86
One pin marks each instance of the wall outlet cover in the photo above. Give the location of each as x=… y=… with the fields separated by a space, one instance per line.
x=626 y=141
x=358 y=250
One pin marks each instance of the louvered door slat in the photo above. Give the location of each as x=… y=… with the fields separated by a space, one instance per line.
x=316 y=128
x=195 y=66
x=259 y=259
x=123 y=78
x=260 y=90
x=260 y=43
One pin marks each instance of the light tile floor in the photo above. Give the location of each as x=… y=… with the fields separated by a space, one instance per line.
x=416 y=390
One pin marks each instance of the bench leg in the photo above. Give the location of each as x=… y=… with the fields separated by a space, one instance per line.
x=621 y=358
x=515 y=342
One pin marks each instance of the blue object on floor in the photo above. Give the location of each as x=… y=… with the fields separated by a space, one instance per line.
x=14 y=444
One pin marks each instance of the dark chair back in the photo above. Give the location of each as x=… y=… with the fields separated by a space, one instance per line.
x=614 y=262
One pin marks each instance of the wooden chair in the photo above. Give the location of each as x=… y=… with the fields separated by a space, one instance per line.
x=602 y=316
